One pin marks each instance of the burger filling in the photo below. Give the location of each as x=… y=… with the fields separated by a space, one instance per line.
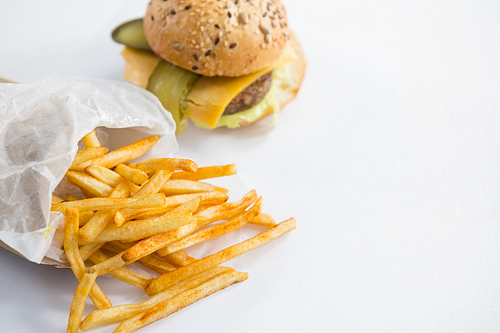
x=251 y=96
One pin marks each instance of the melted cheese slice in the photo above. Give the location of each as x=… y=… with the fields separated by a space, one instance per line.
x=138 y=65
x=210 y=95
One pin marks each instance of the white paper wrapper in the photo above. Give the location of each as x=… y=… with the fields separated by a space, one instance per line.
x=40 y=127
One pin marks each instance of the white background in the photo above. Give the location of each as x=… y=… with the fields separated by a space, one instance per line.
x=389 y=159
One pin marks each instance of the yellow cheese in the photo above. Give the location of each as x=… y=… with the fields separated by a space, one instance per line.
x=138 y=65
x=210 y=96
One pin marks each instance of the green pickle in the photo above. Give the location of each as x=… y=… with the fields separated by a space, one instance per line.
x=172 y=84
x=131 y=34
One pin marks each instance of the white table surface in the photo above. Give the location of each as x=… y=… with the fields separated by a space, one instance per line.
x=389 y=159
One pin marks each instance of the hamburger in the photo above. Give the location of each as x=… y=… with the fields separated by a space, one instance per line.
x=218 y=63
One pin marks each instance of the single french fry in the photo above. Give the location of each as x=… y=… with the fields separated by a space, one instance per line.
x=103 y=174
x=106 y=265
x=56 y=199
x=85 y=216
x=124 y=154
x=136 y=176
x=264 y=219
x=220 y=257
x=79 y=300
x=154 y=184
x=179 y=258
x=151 y=201
x=180 y=301
x=181 y=186
x=86 y=154
x=70 y=197
x=206 y=172
x=73 y=254
x=90 y=140
x=136 y=230
x=214 y=231
x=92 y=204
x=165 y=164
x=120 y=313
x=88 y=249
x=89 y=183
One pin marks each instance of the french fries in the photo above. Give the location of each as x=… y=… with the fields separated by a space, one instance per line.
x=149 y=213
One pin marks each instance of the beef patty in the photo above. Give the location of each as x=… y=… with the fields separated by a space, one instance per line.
x=251 y=96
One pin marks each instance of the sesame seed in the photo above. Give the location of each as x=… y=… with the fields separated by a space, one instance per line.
x=268 y=38
x=232 y=46
x=210 y=21
x=178 y=46
x=195 y=56
x=217 y=26
x=173 y=12
x=217 y=40
x=197 y=46
x=220 y=33
x=202 y=28
x=265 y=29
x=244 y=17
x=208 y=53
x=192 y=14
x=226 y=43
x=229 y=14
x=188 y=7
x=194 y=68
x=152 y=18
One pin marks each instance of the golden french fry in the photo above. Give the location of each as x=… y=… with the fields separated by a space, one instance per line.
x=120 y=313
x=106 y=265
x=85 y=155
x=92 y=204
x=136 y=230
x=220 y=257
x=159 y=240
x=180 y=301
x=73 y=254
x=149 y=261
x=90 y=140
x=85 y=216
x=214 y=231
x=88 y=249
x=226 y=210
x=70 y=197
x=89 y=183
x=136 y=176
x=264 y=219
x=206 y=172
x=165 y=164
x=124 y=154
x=179 y=258
x=154 y=184
x=79 y=300
x=181 y=186
x=207 y=198
x=56 y=199
x=101 y=218
x=103 y=174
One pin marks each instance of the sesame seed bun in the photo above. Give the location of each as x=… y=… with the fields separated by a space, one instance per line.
x=224 y=38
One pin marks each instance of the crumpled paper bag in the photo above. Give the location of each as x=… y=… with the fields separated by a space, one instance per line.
x=40 y=127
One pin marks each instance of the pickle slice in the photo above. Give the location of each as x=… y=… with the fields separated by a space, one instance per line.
x=172 y=84
x=131 y=34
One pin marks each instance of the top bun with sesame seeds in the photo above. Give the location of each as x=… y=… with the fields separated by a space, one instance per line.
x=223 y=38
